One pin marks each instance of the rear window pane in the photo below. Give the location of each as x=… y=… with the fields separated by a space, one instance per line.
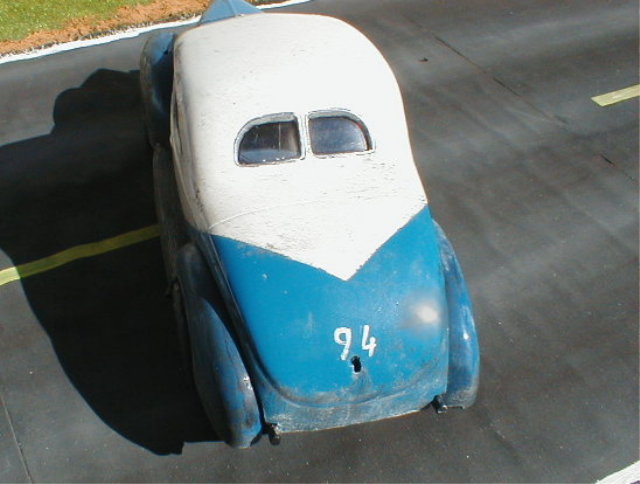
x=269 y=143
x=337 y=134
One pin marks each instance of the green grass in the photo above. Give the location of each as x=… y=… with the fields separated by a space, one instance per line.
x=19 y=18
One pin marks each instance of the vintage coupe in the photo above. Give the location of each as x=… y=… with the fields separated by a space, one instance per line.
x=311 y=286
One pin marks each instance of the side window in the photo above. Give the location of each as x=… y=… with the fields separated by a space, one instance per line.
x=334 y=133
x=270 y=140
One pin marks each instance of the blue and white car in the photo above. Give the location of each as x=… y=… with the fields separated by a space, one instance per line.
x=312 y=287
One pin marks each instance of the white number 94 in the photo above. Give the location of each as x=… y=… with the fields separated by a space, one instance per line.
x=344 y=337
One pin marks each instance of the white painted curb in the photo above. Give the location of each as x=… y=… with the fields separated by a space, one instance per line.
x=123 y=34
x=629 y=475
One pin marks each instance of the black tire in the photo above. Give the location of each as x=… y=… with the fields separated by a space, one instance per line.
x=182 y=331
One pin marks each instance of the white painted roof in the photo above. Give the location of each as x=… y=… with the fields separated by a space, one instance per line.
x=330 y=213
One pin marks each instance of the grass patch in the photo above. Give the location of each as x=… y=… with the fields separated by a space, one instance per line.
x=19 y=18
x=31 y=24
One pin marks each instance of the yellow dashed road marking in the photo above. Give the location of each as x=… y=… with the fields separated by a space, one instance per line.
x=617 y=96
x=78 y=252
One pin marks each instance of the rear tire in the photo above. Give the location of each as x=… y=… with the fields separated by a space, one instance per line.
x=182 y=330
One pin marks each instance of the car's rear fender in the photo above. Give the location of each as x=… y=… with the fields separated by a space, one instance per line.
x=219 y=372
x=464 y=352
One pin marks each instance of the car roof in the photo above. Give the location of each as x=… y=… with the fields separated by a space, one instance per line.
x=231 y=72
x=236 y=70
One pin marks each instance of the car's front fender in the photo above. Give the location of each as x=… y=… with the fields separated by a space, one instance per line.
x=156 y=84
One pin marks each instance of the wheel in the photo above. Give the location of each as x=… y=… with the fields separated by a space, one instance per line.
x=182 y=330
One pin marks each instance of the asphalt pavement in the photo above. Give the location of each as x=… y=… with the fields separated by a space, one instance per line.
x=535 y=184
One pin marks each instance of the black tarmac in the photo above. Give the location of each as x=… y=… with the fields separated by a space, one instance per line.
x=536 y=186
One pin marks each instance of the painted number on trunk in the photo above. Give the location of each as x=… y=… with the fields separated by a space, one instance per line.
x=344 y=337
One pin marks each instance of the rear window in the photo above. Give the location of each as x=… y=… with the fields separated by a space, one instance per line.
x=337 y=133
x=270 y=141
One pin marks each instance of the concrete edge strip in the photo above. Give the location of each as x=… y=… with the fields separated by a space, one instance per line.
x=124 y=34
x=45 y=264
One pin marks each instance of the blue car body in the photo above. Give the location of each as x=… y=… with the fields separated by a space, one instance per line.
x=279 y=345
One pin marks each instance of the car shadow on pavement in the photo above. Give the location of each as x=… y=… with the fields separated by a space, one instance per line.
x=107 y=317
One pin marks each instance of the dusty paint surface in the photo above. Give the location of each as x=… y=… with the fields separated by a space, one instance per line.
x=332 y=212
